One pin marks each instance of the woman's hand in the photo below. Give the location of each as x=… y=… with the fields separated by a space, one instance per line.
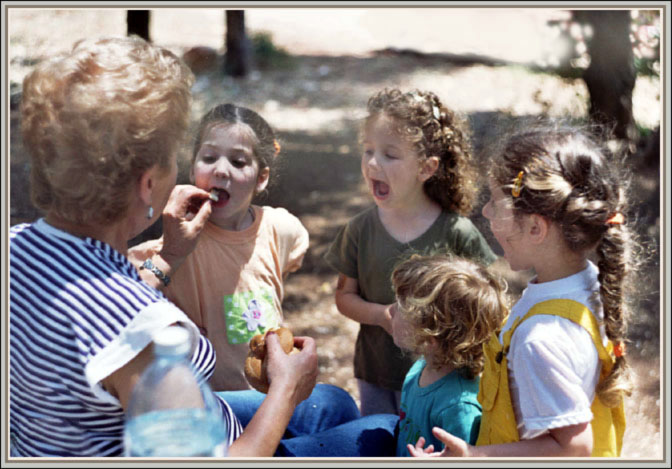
x=292 y=379
x=184 y=217
x=454 y=446
x=296 y=373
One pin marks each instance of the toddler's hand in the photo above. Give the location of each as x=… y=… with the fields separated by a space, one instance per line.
x=418 y=451
x=454 y=446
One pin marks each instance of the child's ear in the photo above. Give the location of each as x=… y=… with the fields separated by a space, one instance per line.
x=428 y=167
x=538 y=228
x=262 y=179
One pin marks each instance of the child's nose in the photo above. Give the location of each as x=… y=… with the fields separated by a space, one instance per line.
x=222 y=168
x=372 y=161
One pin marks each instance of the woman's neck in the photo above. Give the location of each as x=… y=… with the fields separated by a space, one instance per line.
x=408 y=222
x=113 y=234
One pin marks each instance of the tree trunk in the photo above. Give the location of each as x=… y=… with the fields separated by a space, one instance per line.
x=611 y=75
x=137 y=22
x=237 y=59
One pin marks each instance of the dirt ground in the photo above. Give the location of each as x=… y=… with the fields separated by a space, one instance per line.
x=316 y=101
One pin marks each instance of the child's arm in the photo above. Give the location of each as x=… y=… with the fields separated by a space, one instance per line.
x=573 y=440
x=352 y=305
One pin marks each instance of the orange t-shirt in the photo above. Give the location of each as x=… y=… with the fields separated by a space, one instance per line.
x=231 y=285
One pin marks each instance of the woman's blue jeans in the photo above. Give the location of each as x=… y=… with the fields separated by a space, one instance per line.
x=328 y=423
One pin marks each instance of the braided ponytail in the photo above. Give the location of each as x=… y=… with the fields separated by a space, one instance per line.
x=569 y=179
x=613 y=264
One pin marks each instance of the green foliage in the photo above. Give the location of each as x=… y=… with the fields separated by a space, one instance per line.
x=267 y=54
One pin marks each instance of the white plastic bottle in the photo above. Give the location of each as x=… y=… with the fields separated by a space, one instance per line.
x=170 y=414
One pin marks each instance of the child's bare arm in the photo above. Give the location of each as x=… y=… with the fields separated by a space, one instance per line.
x=352 y=305
x=572 y=440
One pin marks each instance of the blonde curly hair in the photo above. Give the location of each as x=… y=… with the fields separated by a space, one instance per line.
x=94 y=119
x=432 y=129
x=455 y=301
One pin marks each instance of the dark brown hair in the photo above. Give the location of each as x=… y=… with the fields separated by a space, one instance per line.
x=265 y=148
x=433 y=130
x=574 y=181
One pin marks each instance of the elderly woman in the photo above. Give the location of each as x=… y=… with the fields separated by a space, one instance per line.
x=103 y=126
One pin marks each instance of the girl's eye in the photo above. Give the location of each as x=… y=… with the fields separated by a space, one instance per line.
x=239 y=163
x=208 y=158
x=368 y=152
x=391 y=157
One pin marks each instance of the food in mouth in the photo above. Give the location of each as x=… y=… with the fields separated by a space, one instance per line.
x=219 y=196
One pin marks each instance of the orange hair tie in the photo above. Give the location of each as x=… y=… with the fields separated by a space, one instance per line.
x=277 y=147
x=517 y=185
x=616 y=219
x=619 y=349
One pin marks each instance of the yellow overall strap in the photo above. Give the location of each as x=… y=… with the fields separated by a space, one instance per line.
x=498 y=422
x=608 y=424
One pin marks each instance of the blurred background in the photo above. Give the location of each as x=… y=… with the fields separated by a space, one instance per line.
x=309 y=72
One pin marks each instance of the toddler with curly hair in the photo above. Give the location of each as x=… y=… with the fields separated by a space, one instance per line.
x=446 y=309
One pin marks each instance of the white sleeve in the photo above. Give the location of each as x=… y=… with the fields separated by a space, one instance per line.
x=132 y=340
x=553 y=371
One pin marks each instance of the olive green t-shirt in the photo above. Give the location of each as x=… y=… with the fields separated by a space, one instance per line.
x=364 y=250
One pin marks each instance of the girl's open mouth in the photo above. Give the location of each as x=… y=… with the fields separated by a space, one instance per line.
x=380 y=189
x=219 y=197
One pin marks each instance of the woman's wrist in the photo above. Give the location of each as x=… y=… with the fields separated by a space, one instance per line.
x=157 y=270
x=168 y=261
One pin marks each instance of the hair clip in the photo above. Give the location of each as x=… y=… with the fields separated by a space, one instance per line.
x=277 y=147
x=616 y=219
x=619 y=349
x=517 y=185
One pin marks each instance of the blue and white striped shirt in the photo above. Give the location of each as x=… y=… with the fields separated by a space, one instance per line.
x=78 y=312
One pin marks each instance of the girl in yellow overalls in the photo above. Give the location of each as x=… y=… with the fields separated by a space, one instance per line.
x=555 y=377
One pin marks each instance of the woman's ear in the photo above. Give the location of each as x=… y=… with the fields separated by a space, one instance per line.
x=262 y=179
x=146 y=183
x=428 y=167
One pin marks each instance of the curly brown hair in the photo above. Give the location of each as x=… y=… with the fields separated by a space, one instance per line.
x=454 y=300
x=573 y=180
x=94 y=119
x=432 y=129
